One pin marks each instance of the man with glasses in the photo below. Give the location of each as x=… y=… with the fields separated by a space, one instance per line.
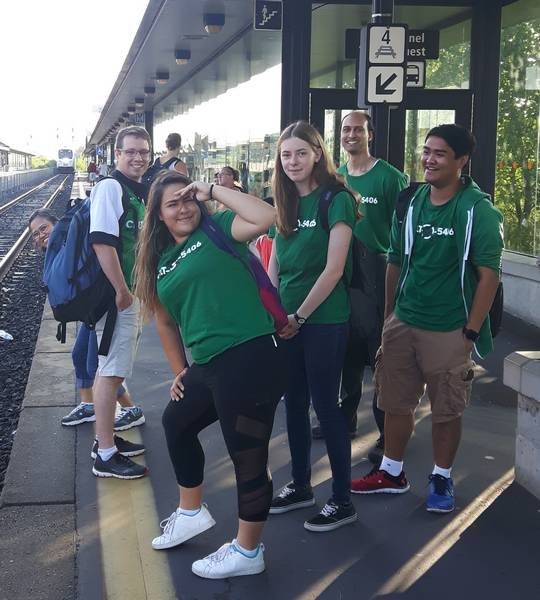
x=116 y=215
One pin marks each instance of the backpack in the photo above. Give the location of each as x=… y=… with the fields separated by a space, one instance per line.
x=77 y=288
x=367 y=283
x=497 y=306
x=152 y=171
x=267 y=292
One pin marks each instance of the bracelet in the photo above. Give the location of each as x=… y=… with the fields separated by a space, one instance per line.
x=470 y=334
x=211 y=188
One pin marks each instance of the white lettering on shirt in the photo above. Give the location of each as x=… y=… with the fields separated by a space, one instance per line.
x=184 y=254
x=307 y=224
x=130 y=224
x=369 y=200
x=428 y=231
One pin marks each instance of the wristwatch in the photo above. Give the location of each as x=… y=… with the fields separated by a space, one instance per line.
x=470 y=334
x=300 y=320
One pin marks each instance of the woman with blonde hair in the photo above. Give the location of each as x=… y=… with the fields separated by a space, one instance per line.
x=238 y=371
x=310 y=261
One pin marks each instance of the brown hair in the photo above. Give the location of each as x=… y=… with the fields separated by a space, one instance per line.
x=173 y=141
x=154 y=238
x=284 y=190
x=134 y=130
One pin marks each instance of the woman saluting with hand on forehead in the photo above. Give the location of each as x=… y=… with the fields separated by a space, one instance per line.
x=238 y=374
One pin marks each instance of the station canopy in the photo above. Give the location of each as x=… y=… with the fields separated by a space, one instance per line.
x=218 y=60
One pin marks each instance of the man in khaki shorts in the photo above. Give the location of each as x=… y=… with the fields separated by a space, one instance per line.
x=116 y=214
x=443 y=272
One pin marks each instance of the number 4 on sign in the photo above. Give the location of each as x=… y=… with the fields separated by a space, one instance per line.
x=386 y=37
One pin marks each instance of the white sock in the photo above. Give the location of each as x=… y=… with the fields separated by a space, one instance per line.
x=106 y=453
x=248 y=553
x=440 y=471
x=187 y=512
x=393 y=467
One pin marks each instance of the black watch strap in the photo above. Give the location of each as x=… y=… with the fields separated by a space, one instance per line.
x=300 y=320
x=470 y=334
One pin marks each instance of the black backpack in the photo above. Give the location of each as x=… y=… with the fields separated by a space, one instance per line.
x=367 y=283
x=497 y=307
x=152 y=171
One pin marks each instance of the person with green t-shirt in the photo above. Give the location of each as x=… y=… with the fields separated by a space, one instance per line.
x=310 y=264
x=443 y=273
x=113 y=235
x=378 y=184
x=239 y=371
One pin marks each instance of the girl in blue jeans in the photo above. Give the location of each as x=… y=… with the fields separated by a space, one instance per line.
x=85 y=350
x=308 y=264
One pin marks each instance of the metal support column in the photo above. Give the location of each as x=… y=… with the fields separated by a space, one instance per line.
x=382 y=12
x=295 y=61
x=485 y=57
x=149 y=124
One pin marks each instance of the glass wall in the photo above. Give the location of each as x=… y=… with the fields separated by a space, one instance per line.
x=331 y=69
x=517 y=175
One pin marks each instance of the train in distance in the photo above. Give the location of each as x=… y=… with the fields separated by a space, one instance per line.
x=65 y=162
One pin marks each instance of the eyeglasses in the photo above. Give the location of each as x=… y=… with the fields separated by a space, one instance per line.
x=42 y=229
x=131 y=153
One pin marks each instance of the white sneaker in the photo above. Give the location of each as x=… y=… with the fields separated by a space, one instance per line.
x=229 y=562
x=179 y=528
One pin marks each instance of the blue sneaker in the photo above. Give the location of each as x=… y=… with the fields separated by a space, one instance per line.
x=441 y=494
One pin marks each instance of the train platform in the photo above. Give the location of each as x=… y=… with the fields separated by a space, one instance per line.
x=67 y=534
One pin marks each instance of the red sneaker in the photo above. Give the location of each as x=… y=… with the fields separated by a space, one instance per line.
x=378 y=481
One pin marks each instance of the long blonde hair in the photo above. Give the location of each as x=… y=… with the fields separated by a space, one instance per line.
x=154 y=238
x=284 y=190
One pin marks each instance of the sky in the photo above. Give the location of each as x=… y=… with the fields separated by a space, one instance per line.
x=59 y=60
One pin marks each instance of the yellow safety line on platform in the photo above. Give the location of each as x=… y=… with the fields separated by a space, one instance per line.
x=127 y=524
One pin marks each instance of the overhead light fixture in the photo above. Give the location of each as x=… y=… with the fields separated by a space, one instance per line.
x=182 y=56
x=131 y=109
x=149 y=90
x=213 y=22
x=162 y=77
x=139 y=102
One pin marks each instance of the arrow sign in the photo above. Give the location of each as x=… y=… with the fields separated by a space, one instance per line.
x=385 y=83
x=382 y=88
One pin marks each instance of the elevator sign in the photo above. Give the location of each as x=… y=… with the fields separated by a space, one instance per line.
x=382 y=65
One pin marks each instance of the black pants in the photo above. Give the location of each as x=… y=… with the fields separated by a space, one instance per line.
x=241 y=388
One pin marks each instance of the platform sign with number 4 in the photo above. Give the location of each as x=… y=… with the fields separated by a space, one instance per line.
x=387 y=44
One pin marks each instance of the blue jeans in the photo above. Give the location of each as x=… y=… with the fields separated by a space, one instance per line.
x=85 y=359
x=316 y=357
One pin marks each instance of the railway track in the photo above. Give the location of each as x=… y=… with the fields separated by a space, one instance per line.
x=14 y=232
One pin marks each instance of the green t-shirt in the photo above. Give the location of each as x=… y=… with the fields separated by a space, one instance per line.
x=431 y=298
x=379 y=189
x=129 y=235
x=302 y=256
x=211 y=294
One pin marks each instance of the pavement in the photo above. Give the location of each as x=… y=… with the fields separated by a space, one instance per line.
x=67 y=535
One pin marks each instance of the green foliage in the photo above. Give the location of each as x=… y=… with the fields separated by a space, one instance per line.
x=42 y=162
x=517 y=138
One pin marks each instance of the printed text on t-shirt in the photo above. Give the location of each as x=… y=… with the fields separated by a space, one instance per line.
x=185 y=253
x=429 y=231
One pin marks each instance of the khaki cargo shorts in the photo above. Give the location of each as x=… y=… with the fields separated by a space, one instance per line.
x=125 y=339
x=411 y=361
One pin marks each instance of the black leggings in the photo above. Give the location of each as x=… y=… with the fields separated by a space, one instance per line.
x=241 y=387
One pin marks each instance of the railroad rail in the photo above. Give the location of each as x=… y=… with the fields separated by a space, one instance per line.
x=9 y=250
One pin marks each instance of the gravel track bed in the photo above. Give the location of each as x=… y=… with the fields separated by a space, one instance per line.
x=21 y=306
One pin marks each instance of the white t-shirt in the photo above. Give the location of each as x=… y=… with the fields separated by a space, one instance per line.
x=106 y=207
x=103 y=170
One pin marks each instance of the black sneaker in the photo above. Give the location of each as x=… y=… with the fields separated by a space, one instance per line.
x=118 y=466
x=291 y=498
x=123 y=446
x=332 y=516
x=84 y=413
x=376 y=453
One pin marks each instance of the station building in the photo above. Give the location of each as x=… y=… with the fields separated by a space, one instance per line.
x=14 y=160
x=202 y=69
